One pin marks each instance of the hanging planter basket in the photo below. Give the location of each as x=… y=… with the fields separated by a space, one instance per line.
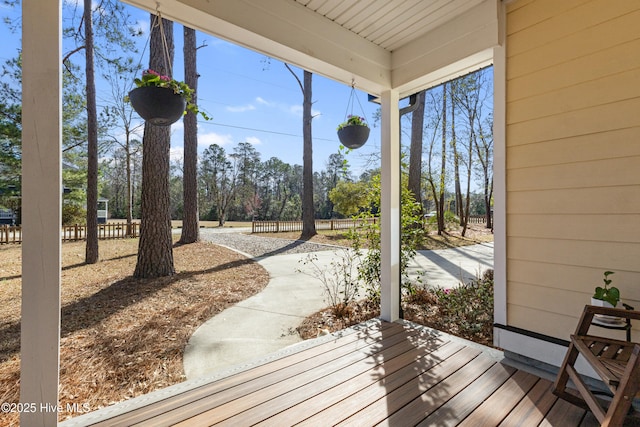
x=353 y=136
x=159 y=106
x=354 y=131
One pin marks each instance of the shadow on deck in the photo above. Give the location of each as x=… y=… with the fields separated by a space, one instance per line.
x=377 y=373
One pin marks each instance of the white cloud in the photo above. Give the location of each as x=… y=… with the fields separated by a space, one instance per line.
x=296 y=110
x=176 y=154
x=263 y=101
x=177 y=127
x=207 y=139
x=253 y=140
x=240 y=108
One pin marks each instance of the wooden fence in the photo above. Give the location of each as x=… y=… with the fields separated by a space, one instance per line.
x=477 y=219
x=74 y=233
x=321 y=224
x=327 y=224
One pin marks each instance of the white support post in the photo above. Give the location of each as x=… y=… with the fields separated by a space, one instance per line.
x=500 y=175
x=41 y=210
x=390 y=208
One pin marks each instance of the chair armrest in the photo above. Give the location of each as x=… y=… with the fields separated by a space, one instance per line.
x=617 y=312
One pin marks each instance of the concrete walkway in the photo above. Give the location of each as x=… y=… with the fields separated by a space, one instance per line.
x=261 y=324
x=266 y=322
x=446 y=268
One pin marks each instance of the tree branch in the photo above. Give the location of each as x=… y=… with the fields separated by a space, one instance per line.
x=296 y=76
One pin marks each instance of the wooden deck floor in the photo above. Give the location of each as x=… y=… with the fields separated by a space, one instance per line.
x=376 y=374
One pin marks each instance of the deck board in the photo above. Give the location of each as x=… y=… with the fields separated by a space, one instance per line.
x=254 y=405
x=268 y=373
x=440 y=389
x=533 y=407
x=563 y=414
x=497 y=406
x=366 y=387
x=378 y=373
x=469 y=398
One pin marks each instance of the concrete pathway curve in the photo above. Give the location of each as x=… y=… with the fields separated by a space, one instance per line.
x=266 y=322
x=261 y=324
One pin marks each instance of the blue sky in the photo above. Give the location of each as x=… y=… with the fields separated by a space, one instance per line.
x=249 y=102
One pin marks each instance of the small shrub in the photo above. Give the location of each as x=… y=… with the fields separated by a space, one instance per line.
x=340 y=280
x=469 y=306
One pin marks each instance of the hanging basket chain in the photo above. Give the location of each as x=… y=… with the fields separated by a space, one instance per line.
x=165 y=45
x=354 y=132
x=350 y=104
x=156 y=21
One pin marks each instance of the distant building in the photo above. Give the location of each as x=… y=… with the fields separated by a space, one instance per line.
x=7 y=217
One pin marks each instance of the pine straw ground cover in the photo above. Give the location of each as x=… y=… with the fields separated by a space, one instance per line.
x=122 y=337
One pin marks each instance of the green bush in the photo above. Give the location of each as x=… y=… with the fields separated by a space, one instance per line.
x=468 y=306
x=73 y=214
x=368 y=236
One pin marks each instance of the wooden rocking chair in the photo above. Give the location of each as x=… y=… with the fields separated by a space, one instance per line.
x=616 y=362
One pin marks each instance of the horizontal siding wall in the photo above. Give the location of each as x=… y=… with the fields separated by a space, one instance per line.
x=573 y=158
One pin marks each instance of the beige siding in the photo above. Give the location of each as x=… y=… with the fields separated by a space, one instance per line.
x=572 y=156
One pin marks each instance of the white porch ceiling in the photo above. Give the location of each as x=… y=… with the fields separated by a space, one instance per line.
x=406 y=45
x=389 y=24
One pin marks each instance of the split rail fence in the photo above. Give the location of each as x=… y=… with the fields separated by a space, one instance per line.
x=74 y=233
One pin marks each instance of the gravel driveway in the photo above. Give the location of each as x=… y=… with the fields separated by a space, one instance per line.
x=257 y=246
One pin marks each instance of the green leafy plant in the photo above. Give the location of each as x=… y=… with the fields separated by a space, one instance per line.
x=151 y=78
x=367 y=236
x=610 y=294
x=467 y=310
x=353 y=121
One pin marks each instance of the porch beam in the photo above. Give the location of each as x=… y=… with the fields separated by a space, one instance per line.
x=287 y=31
x=41 y=209
x=460 y=46
x=390 y=207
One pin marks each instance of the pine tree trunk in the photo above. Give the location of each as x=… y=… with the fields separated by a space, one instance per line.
x=155 y=250
x=443 y=168
x=190 y=224
x=91 y=250
x=308 y=217
x=415 y=152
x=456 y=156
x=129 y=187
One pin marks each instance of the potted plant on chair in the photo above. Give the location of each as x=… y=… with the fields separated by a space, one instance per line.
x=607 y=296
